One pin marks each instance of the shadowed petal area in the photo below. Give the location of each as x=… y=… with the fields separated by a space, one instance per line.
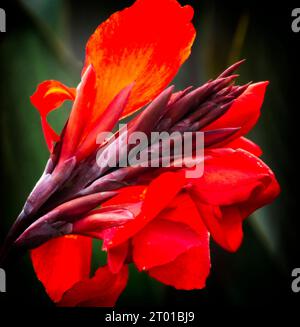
x=102 y=290
x=225 y=225
x=116 y=257
x=62 y=262
x=48 y=96
x=189 y=271
x=145 y=44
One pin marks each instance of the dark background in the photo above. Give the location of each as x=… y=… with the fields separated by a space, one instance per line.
x=46 y=40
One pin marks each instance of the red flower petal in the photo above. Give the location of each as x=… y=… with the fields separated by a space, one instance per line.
x=116 y=257
x=159 y=194
x=49 y=96
x=231 y=176
x=146 y=44
x=105 y=123
x=260 y=197
x=244 y=112
x=62 y=262
x=183 y=209
x=225 y=225
x=81 y=113
x=102 y=290
x=130 y=194
x=188 y=271
x=233 y=186
x=169 y=242
x=161 y=241
x=245 y=144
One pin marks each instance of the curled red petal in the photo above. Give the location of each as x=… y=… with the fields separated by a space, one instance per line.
x=225 y=198
x=260 y=197
x=48 y=96
x=225 y=226
x=231 y=176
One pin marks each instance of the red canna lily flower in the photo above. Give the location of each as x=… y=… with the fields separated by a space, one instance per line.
x=157 y=218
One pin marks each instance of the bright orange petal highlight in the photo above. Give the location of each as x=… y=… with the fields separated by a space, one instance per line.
x=146 y=44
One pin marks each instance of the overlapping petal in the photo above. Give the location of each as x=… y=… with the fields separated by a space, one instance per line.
x=224 y=224
x=102 y=290
x=162 y=241
x=157 y=196
x=164 y=248
x=235 y=183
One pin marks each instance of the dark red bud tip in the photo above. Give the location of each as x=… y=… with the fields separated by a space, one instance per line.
x=47 y=185
x=42 y=232
x=232 y=68
x=148 y=119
